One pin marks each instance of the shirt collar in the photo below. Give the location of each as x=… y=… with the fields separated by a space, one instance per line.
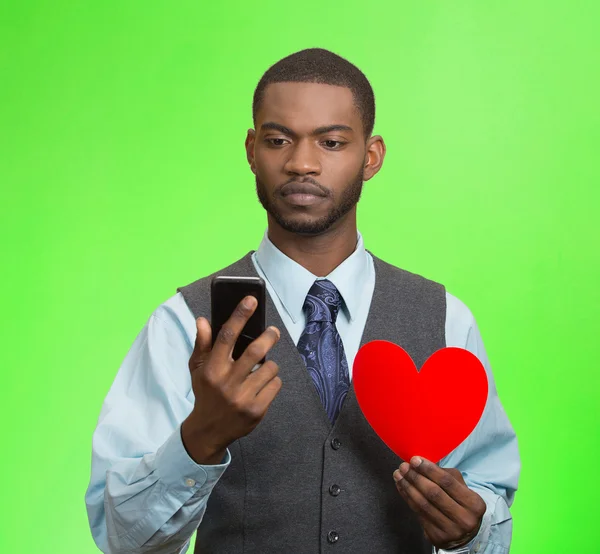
x=291 y=282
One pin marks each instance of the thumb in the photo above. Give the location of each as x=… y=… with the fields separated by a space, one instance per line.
x=455 y=473
x=203 y=343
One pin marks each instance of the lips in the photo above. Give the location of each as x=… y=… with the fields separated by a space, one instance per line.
x=301 y=188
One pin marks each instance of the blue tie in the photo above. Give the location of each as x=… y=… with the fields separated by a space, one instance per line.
x=321 y=347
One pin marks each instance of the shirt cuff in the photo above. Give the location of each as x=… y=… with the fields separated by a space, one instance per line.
x=180 y=474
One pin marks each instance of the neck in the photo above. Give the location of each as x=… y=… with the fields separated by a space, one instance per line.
x=319 y=254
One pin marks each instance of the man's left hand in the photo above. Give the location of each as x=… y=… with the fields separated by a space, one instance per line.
x=449 y=512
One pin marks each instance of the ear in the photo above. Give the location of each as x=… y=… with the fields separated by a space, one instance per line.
x=374 y=156
x=250 y=138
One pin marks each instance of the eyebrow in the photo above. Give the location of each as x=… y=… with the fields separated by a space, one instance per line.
x=319 y=131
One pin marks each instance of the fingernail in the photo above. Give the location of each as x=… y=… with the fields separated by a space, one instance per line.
x=416 y=461
x=404 y=467
x=397 y=476
x=249 y=302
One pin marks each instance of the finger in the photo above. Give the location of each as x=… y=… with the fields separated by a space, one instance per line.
x=436 y=495
x=421 y=506
x=403 y=490
x=268 y=393
x=202 y=344
x=231 y=329
x=254 y=352
x=456 y=474
x=256 y=405
x=431 y=531
x=257 y=380
x=455 y=489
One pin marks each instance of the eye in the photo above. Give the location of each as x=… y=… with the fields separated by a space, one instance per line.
x=276 y=141
x=333 y=144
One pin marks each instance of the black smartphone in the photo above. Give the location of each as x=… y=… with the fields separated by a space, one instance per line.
x=225 y=294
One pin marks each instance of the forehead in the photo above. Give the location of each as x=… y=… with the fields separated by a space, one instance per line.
x=305 y=106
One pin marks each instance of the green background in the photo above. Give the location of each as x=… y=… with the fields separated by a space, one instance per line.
x=123 y=176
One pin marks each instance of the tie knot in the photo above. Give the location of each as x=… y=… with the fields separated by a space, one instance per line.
x=322 y=302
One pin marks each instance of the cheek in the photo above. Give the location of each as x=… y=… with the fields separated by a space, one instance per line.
x=344 y=172
x=266 y=163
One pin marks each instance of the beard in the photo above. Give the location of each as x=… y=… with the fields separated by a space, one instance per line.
x=348 y=198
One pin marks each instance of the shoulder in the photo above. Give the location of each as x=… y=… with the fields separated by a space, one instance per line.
x=174 y=316
x=458 y=311
x=415 y=282
x=460 y=322
x=197 y=294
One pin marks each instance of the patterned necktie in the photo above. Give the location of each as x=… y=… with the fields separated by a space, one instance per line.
x=321 y=347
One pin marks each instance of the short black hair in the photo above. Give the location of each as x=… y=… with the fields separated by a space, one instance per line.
x=317 y=65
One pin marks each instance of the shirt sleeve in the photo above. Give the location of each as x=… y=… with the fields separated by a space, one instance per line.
x=488 y=458
x=145 y=493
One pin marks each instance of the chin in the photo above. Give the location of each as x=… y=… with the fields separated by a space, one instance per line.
x=304 y=225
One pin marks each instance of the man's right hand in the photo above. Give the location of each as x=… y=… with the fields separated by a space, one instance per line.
x=230 y=399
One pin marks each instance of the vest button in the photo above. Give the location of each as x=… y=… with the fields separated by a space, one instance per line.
x=335 y=443
x=332 y=537
x=334 y=490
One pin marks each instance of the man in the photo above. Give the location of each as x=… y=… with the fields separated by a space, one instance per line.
x=281 y=459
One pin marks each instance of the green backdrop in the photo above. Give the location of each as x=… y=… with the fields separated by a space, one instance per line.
x=123 y=176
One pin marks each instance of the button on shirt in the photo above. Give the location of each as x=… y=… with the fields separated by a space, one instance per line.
x=147 y=495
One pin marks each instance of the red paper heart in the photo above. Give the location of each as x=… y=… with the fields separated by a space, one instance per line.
x=419 y=413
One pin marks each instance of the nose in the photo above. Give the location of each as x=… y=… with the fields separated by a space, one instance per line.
x=303 y=159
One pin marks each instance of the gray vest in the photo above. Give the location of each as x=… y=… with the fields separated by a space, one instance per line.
x=296 y=484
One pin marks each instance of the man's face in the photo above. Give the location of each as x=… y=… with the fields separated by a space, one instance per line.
x=308 y=155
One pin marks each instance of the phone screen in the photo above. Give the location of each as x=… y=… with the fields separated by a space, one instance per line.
x=226 y=294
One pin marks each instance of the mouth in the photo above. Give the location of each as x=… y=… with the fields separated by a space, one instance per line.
x=302 y=194
x=302 y=199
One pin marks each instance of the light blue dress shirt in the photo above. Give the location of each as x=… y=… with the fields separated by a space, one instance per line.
x=146 y=495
